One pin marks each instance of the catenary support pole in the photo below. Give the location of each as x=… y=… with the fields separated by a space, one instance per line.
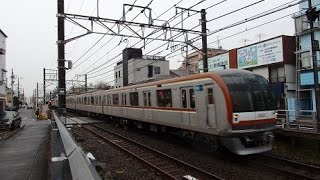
x=44 y=85
x=61 y=59
x=204 y=40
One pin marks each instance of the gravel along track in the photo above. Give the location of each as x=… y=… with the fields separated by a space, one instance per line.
x=219 y=164
x=166 y=166
x=115 y=164
x=293 y=168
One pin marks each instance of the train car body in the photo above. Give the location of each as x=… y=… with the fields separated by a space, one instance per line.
x=234 y=105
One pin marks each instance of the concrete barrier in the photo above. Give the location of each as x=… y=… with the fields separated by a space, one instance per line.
x=80 y=165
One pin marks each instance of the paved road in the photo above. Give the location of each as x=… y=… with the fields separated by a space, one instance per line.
x=25 y=154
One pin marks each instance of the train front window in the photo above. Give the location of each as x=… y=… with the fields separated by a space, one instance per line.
x=249 y=92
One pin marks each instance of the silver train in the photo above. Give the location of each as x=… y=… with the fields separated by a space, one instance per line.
x=231 y=108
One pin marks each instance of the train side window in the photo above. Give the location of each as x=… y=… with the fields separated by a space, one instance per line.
x=109 y=99
x=149 y=97
x=184 y=98
x=145 y=99
x=164 y=98
x=92 y=100
x=104 y=100
x=134 y=99
x=124 y=99
x=210 y=96
x=192 y=98
x=115 y=99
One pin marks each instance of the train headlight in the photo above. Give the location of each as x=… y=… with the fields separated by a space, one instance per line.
x=235 y=117
x=275 y=115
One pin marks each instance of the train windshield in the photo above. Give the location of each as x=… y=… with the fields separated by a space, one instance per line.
x=249 y=92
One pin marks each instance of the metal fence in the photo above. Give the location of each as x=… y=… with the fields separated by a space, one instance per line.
x=300 y=120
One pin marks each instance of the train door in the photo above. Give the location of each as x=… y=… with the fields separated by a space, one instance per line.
x=211 y=107
x=124 y=104
x=147 y=104
x=186 y=101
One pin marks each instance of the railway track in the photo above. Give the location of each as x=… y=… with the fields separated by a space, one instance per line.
x=166 y=166
x=292 y=168
x=171 y=168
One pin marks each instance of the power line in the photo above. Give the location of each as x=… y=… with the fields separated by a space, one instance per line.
x=235 y=10
x=256 y=17
x=243 y=22
x=121 y=53
x=99 y=39
x=149 y=34
x=159 y=46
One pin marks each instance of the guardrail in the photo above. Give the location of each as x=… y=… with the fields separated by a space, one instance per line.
x=80 y=165
x=300 y=120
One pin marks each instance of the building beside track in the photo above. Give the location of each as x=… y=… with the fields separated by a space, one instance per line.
x=3 y=94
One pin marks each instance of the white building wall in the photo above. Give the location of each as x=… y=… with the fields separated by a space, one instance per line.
x=118 y=81
x=264 y=71
x=2 y=65
x=290 y=86
x=138 y=69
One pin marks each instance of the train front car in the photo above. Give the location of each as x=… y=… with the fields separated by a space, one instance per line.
x=253 y=113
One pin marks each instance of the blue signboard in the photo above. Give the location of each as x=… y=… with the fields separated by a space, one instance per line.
x=306 y=78
x=199 y=87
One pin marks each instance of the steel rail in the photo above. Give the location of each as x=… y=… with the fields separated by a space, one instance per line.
x=159 y=170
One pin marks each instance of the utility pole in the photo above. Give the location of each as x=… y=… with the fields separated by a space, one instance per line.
x=12 y=81
x=86 y=82
x=311 y=14
x=44 y=85
x=204 y=40
x=37 y=95
x=61 y=58
x=18 y=92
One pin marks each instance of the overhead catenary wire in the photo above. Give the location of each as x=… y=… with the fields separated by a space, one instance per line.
x=99 y=67
x=155 y=48
x=170 y=53
x=78 y=13
x=239 y=32
x=98 y=40
x=131 y=46
x=121 y=53
x=235 y=10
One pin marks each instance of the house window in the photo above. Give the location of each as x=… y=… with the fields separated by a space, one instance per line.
x=2 y=51
x=150 y=71
x=277 y=75
x=156 y=70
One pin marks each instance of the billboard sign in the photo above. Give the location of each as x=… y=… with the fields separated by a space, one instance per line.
x=263 y=53
x=216 y=63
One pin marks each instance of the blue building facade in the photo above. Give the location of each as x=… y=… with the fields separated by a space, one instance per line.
x=305 y=101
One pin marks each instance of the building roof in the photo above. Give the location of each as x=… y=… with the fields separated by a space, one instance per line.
x=3 y=33
x=181 y=72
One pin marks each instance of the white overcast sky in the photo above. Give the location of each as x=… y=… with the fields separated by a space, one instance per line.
x=31 y=27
